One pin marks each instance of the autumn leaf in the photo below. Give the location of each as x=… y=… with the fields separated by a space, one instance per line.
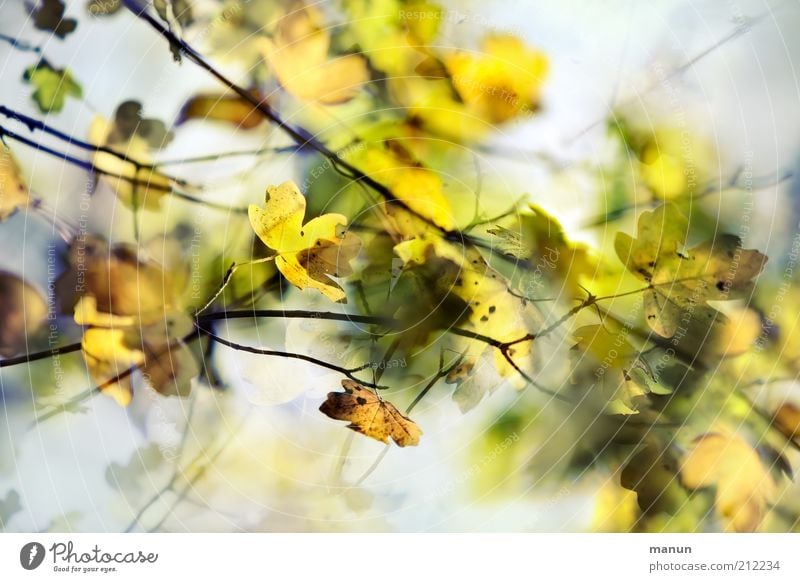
x=787 y=420
x=672 y=162
x=418 y=187
x=744 y=486
x=52 y=86
x=652 y=474
x=119 y=279
x=49 y=16
x=503 y=80
x=615 y=370
x=230 y=109
x=733 y=334
x=131 y=313
x=132 y=179
x=14 y=193
x=462 y=273
x=309 y=255
x=684 y=280
x=22 y=312
x=113 y=344
x=393 y=33
x=474 y=379
x=537 y=237
x=464 y=95
x=298 y=54
x=371 y=415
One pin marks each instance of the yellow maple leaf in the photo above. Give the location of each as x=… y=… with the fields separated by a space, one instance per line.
x=393 y=33
x=308 y=255
x=114 y=344
x=475 y=91
x=683 y=280
x=418 y=187
x=14 y=192
x=503 y=81
x=744 y=486
x=135 y=183
x=618 y=375
x=493 y=311
x=299 y=56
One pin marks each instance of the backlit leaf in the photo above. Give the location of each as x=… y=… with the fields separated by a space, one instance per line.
x=744 y=486
x=113 y=344
x=134 y=181
x=684 y=280
x=299 y=55
x=14 y=193
x=51 y=86
x=612 y=366
x=501 y=81
x=371 y=415
x=309 y=255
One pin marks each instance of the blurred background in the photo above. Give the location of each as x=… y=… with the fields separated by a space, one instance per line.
x=719 y=77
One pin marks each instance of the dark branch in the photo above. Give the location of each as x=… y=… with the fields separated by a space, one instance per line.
x=43 y=355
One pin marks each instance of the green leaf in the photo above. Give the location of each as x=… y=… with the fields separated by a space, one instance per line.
x=53 y=86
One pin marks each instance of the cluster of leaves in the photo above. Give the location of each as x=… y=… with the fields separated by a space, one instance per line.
x=387 y=231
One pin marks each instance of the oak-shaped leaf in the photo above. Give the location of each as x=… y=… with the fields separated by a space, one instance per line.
x=683 y=280
x=49 y=15
x=52 y=86
x=22 y=312
x=298 y=54
x=371 y=415
x=309 y=255
x=744 y=486
x=14 y=193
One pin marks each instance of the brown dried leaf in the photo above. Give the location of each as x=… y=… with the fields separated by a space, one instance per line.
x=22 y=311
x=371 y=415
